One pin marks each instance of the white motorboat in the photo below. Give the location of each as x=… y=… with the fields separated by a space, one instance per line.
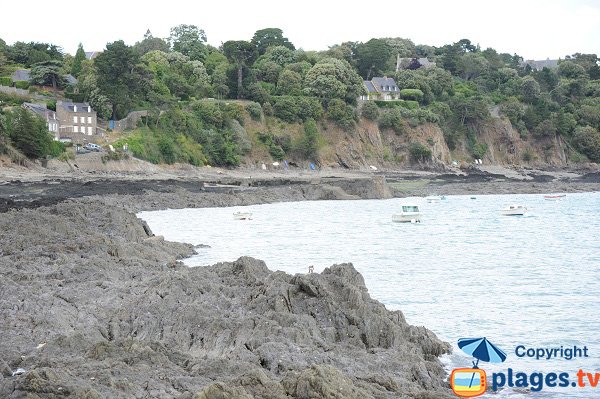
x=514 y=210
x=433 y=199
x=242 y=215
x=557 y=197
x=408 y=214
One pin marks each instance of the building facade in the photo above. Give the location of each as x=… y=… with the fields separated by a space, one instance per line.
x=76 y=119
x=46 y=114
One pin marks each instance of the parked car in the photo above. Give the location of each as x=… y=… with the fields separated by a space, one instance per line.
x=92 y=147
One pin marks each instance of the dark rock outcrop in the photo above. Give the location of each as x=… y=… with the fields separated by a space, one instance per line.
x=92 y=305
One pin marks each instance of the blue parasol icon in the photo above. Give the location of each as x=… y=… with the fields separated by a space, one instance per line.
x=481 y=349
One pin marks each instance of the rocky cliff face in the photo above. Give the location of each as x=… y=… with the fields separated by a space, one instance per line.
x=93 y=305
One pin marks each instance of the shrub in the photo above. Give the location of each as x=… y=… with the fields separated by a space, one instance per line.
x=527 y=155
x=411 y=94
x=478 y=150
x=343 y=114
x=286 y=108
x=209 y=112
x=587 y=141
x=22 y=85
x=392 y=119
x=309 y=108
x=397 y=103
x=254 y=110
x=5 y=81
x=309 y=144
x=268 y=109
x=419 y=152
x=56 y=148
x=370 y=110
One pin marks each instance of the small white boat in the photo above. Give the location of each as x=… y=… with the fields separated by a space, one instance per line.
x=408 y=214
x=514 y=210
x=557 y=197
x=242 y=216
x=433 y=199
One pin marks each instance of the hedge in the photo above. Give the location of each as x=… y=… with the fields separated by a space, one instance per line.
x=5 y=81
x=397 y=103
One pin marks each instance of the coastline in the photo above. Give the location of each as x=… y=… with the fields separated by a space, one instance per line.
x=97 y=306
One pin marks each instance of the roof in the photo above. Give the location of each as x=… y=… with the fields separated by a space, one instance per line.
x=21 y=75
x=384 y=84
x=90 y=55
x=72 y=80
x=70 y=107
x=40 y=110
x=404 y=63
x=541 y=64
x=370 y=87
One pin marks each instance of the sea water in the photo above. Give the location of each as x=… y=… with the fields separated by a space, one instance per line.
x=464 y=271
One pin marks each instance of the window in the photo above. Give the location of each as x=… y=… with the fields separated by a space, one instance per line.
x=74 y=119
x=75 y=128
x=90 y=120
x=89 y=130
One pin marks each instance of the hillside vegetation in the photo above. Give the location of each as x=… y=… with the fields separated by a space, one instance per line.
x=263 y=99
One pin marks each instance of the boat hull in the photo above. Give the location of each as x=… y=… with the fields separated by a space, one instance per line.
x=242 y=216
x=407 y=218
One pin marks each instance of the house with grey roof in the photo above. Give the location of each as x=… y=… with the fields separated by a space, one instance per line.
x=541 y=64
x=381 y=88
x=46 y=114
x=413 y=63
x=23 y=75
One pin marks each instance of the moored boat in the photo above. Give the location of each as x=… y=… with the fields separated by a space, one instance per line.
x=514 y=210
x=408 y=214
x=242 y=216
x=555 y=197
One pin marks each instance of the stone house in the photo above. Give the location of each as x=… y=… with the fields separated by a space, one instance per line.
x=381 y=88
x=76 y=119
x=413 y=63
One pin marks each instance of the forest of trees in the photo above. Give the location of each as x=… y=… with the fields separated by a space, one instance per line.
x=171 y=77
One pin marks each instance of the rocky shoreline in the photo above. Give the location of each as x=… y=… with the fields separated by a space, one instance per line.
x=93 y=305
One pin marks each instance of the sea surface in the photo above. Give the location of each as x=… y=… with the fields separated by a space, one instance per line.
x=464 y=271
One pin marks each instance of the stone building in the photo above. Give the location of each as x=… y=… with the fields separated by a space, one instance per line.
x=76 y=119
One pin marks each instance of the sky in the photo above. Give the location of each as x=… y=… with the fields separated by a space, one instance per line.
x=534 y=29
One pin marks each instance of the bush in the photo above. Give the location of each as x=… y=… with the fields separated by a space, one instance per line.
x=56 y=148
x=397 y=103
x=268 y=109
x=412 y=94
x=309 y=108
x=370 y=110
x=343 y=114
x=419 y=152
x=309 y=144
x=5 y=81
x=392 y=119
x=254 y=110
x=286 y=108
x=22 y=85
x=210 y=113
x=478 y=150
x=587 y=141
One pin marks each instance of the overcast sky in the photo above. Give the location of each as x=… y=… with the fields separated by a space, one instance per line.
x=535 y=29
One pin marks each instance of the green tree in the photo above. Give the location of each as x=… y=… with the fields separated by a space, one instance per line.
x=289 y=83
x=116 y=77
x=150 y=43
x=587 y=141
x=372 y=57
x=29 y=134
x=189 y=40
x=47 y=73
x=78 y=61
x=530 y=89
x=419 y=152
x=240 y=53
x=268 y=37
x=370 y=110
x=333 y=78
x=309 y=144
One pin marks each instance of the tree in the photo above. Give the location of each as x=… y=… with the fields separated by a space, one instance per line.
x=77 y=61
x=333 y=78
x=372 y=57
x=150 y=43
x=530 y=89
x=116 y=76
x=241 y=53
x=471 y=65
x=189 y=40
x=265 y=38
x=29 y=134
x=47 y=73
x=309 y=144
x=587 y=140
x=289 y=83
